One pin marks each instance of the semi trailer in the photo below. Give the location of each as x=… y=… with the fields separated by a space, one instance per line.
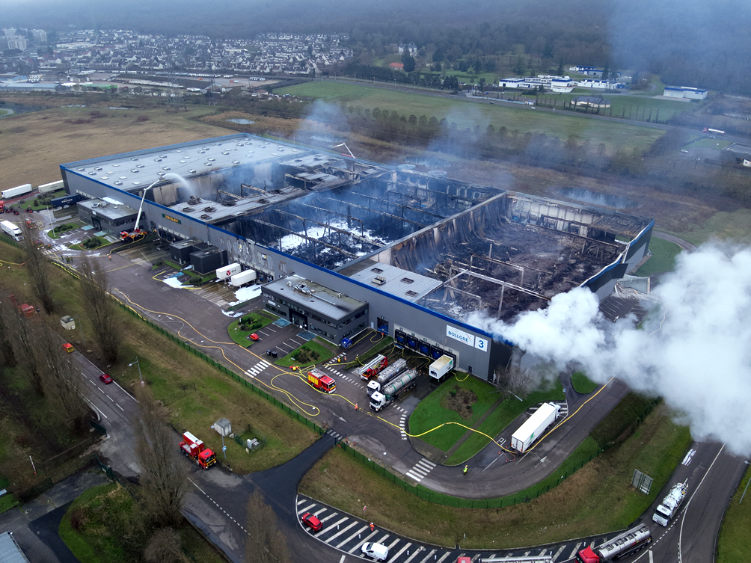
x=11 y=230
x=51 y=187
x=670 y=504
x=528 y=432
x=393 y=390
x=243 y=277
x=620 y=546
x=18 y=190
x=62 y=201
x=440 y=368
x=386 y=375
x=228 y=271
x=197 y=450
x=373 y=367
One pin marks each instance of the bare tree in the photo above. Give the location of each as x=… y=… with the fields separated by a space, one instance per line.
x=164 y=546
x=23 y=335
x=513 y=380
x=265 y=543
x=39 y=270
x=100 y=309
x=62 y=385
x=7 y=357
x=164 y=474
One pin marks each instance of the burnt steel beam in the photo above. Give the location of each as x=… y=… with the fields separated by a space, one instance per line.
x=459 y=197
x=392 y=203
x=376 y=211
x=324 y=210
x=306 y=237
x=496 y=281
x=340 y=231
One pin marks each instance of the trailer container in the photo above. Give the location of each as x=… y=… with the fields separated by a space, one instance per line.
x=620 y=546
x=528 y=432
x=59 y=202
x=18 y=190
x=386 y=375
x=11 y=230
x=51 y=187
x=440 y=368
x=228 y=271
x=243 y=277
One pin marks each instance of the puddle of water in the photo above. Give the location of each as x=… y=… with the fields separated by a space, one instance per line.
x=597 y=198
x=242 y=121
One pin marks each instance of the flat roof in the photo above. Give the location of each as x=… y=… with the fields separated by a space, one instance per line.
x=108 y=209
x=410 y=286
x=315 y=297
x=9 y=550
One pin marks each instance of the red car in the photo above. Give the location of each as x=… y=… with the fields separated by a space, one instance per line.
x=254 y=337
x=106 y=379
x=312 y=522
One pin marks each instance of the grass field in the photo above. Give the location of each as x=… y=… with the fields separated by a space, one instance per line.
x=707 y=143
x=596 y=499
x=35 y=144
x=663 y=257
x=241 y=336
x=734 y=543
x=195 y=394
x=100 y=240
x=733 y=227
x=105 y=524
x=468 y=114
x=500 y=418
x=324 y=350
x=582 y=383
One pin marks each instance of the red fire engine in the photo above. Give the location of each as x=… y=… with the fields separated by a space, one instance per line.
x=197 y=450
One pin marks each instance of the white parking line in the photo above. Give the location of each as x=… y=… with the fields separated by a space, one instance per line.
x=339 y=533
x=359 y=544
x=360 y=531
x=405 y=548
x=306 y=508
x=119 y=407
x=330 y=516
x=557 y=553
x=445 y=555
x=428 y=556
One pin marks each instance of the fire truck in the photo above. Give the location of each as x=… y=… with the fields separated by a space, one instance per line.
x=321 y=381
x=373 y=367
x=197 y=450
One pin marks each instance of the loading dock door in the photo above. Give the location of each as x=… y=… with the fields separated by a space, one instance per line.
x=383 y=325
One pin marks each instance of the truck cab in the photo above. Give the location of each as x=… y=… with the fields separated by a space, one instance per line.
x=587 y=555
x=377 y=401
x=373 y=387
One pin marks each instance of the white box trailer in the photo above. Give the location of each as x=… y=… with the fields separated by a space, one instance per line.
x=441 y=367
x=11 y=230
x=243 y=277
x=228 y=271
x=51 y=187
x=18 y=190
x=528 y=432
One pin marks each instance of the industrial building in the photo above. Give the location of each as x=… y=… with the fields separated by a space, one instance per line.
x=343 y=244
x=685 y=92
x=595 y=102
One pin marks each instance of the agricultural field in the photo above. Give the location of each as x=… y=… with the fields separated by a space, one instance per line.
x=456 y=110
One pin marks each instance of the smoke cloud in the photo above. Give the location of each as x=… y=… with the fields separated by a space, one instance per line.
x=693 y=349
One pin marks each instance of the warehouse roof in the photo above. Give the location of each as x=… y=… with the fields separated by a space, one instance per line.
x=313 y=296
x=392 y=280
x=9 y=550
x=110 y=209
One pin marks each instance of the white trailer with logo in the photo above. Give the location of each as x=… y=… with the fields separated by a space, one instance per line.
x=242 y=278
x=228 y=271
x=441 y=367
x=535 y=426
x=11 y=230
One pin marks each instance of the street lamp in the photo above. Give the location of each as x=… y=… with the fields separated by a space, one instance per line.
x=139 y=369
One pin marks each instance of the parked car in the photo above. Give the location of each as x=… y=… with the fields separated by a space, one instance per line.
x=254 y=337
x=68 y=347
x=105 y=378
x=311 y=522
x=376 y=551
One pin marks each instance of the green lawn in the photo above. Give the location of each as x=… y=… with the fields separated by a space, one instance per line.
x=62 y=229
x=100 y=240
x=582 y=384
x=241 y=336
x=7 y=501
x=325 y=351
x=663 y=257
x=430 y=414
x=105 y=524
x=734 y=543
x=707 y=143
x=500 y=418
x=735 y=226
x=523 y=119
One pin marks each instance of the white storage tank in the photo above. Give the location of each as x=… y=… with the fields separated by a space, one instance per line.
x=243 y=277
x=228 y=271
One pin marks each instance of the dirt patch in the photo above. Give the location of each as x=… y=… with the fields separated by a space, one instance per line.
x=459 y=400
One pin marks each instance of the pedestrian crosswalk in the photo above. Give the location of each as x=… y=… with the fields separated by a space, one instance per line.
x=257 y=368
x=348 y=533
x=421 y=470
x=336 y=435
x=402 y=422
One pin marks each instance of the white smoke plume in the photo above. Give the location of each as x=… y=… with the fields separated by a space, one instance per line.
x=694 y=349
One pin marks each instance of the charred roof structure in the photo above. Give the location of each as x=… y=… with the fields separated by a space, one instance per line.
x=419 y=251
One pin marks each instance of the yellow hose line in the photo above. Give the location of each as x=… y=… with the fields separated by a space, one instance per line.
x=569 y=417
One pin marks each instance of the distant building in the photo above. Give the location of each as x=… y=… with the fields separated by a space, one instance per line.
x=549 y=82
x=39 y=35
x=601 y=85
x=685 y=92
x=397 y=66
x=16 y=42
x=594 y=102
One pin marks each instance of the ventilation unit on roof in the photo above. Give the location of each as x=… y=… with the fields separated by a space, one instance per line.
x=407 y=280
x=188 y=209
x=209 y=209
x=412 y=293
x=376 y=270
x=379 y=280
x=204 y=216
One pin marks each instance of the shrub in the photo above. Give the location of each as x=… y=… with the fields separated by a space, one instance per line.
x=142 y=118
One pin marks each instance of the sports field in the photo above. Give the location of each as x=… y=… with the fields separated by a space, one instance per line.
x=466 y=113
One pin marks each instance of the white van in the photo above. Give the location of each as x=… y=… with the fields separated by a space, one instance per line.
x=376 y=551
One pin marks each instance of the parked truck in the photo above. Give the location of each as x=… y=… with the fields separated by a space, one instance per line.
x=228 y=271
x=440 y=368
x=197 y=450
x=321 y=381
x=393 y=390
x=386 y=375
x=670 y=504
x=18 y=190
x=60 y=202
x=11 y=230
x=51 y=187
x=528 y=432
x=620 y=546
x=373 y=367
x=242 y=278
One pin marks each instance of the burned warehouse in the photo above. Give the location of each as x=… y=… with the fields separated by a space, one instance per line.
x=342 y=245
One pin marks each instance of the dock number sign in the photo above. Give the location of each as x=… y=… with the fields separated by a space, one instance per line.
x=466 y=338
